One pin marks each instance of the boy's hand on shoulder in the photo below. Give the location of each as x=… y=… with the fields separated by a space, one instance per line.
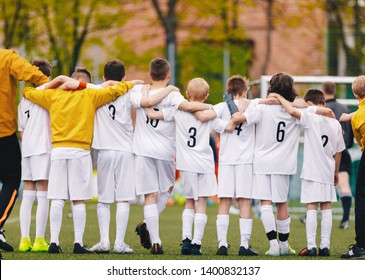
x=237 y=117
x=345 y=117
x=243 y=104
x=172 y=88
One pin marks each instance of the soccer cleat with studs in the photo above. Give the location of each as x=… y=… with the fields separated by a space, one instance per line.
x=101 y=248
x=324 y=252
x=186 y=247
x=78 y=249
x=40 y=245
x=25 y=244
x=157 y=249
x=247 y=252
x=196 y=250
x=54 y=249
x=308 y=252
x=222 y=251
x=354 y=251
x=122 y=248
x=3 y=244
x=144 y=235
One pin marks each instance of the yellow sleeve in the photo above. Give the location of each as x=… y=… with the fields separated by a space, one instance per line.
x=22 y=70
x=109 y=94
x=39 y=97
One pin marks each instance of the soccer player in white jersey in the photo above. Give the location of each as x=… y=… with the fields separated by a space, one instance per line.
x=113 y=138
x=235 y=167
x=277 y=138
x=195 y=161
x=323 y=144
x=35 y=134
x=154 y=149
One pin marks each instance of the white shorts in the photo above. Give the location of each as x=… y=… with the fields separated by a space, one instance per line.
x=153 y=175
x=71 y=179
x=35 y=168
x=317 y=192
x=198 y=184
x=271 y=187
x=115 y=176
x=235 y=181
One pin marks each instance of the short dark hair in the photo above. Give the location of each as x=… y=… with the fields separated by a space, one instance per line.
x=159 y=68
x=282 y=84
x=114 y=70
x=81 y=70
x=315 y=95
x=236 y=85
x=44 y=66
x=329 y=87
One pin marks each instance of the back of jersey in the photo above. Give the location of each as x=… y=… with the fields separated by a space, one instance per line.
x=277 y=141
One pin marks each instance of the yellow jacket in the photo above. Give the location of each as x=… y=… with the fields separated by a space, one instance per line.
x=358 y=124
x=72 y=112
x=14 y=68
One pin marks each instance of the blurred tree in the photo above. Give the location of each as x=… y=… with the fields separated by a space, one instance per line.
x=270 y=27
x=346 y=29
x=68 y=25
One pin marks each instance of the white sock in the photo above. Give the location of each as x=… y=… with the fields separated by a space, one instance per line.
x=245 y=230
x=187 y=223
x=122 y=216
x=103 y=211
x=222 y=224
x=326 y=228
x=42 y=213
x=200 y=221
x=25 y=213
x=79 y=217
x=151 y=218
x=55 y=218
x=268 y=221
x=283 y=230
x=311 y=228
x=162 y=201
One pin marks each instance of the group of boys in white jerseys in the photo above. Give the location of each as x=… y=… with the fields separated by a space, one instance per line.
x=258 y=153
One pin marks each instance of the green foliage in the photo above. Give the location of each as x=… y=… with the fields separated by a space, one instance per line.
x=205 y=60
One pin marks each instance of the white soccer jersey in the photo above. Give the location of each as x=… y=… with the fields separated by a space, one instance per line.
x=236 y=147
x=154 y=138
x=193 y=152
x=323 y=138
x=33 y=121
x=277 y=140
x=113 y=128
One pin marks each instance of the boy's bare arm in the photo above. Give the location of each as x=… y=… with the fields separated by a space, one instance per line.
x=287 y=105
x=149 y=101
x=206 y=115
x=193 y=106
x=346 y=117
x=269 y=101
x=238 y=118
x=337 y=166
x=230 y=126
x=324 y=111
x=58 y=81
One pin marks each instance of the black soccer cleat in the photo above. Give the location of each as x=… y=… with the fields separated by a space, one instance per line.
x=54 y=249
x=354 y=252
x=222 y=251
x=144 y=235
x=247 y=252
x=186 y=247
x=78 y=249
x=3 y=244
x=157 y=249
x=325 y=252
x=196 y=250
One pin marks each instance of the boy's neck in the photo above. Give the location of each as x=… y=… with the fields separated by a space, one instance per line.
x=159 y=84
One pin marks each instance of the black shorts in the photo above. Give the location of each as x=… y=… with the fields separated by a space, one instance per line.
x=346 y=163
x=10 y=161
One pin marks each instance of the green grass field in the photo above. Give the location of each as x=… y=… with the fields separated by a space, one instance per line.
x=170 y=232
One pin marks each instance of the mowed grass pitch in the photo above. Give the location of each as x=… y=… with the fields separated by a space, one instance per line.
x=170 y=232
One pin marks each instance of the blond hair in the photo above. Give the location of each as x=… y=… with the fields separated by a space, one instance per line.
x=358 y=86
x=197 y=89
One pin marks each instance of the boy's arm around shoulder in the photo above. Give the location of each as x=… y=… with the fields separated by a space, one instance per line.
x=193 y=106
x=287 y=105
x=149 y=101
x=205 y=115
x=42 y=97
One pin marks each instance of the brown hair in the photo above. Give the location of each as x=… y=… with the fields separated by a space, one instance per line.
x=44 y=66
x=315 y=95
x=329 y=88
x=81 y=71
x=159 y=68
x=236 y=85
x=282 y=84
x=114 y=70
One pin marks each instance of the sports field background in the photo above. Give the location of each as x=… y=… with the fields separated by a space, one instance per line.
x=170 y=232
